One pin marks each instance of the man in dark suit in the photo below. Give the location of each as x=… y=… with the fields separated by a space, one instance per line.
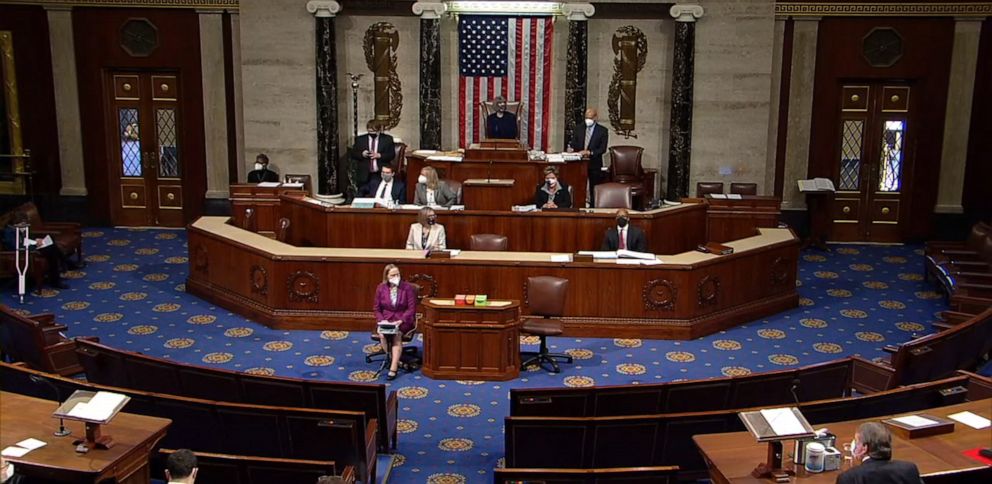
x=624 y=235
x=591 y=141
x=262 y=173
x=873 y=445
x=385 y=186
x=371 y=151
x=501 y=124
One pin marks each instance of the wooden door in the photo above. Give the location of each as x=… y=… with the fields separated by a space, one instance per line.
x=874 y=152
x=145 y=162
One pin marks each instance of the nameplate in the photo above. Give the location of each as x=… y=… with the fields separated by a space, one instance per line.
x=439 y=254
x=581 y=257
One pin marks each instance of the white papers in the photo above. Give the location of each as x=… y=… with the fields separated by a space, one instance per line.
x=410 y=206
x=816 y=185
x=314 y=201
x=783 y=421
x=718 y=195
x=915 y=421
x=444 y=158
x=31 y=444
x=651 y=262
x=293 y=185
x=669 y=203
x=15 y=451
x=561 y=258
x=454 y=252
x=99 y=408
x=422 y=152
x=629 y=262
x=972 y=420
x=269 y=184
x=734 y=196
x=365 y=202
x=556 y=158
x=455 y=208
x=524 y=208
x=633 y=254
x=599 y=254
x=46 y=242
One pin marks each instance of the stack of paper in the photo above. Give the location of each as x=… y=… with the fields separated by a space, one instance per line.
x=444 y=158
x=269 y=184
x=23 y=447
x=101 y=407
x=972 y=420
x=599 y=254
x=915 y=421
x=783 y=421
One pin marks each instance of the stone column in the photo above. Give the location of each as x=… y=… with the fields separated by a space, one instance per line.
x=430 y=73
x=214 y=101
x=239 y=112
x=70 y=136
x=576 y=67
x=957 y=117
x=800 y=120
x=680 y=144
x=327 y=95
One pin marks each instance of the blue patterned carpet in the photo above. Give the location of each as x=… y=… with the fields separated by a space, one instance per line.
x=855 y=299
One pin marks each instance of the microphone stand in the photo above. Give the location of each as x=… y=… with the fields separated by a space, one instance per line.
x=795 y=386
x=489 y=172
x=62 y=431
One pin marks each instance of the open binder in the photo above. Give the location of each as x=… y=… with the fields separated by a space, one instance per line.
x=93 y=409
x=774 y=425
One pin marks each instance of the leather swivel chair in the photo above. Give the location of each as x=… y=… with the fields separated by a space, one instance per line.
x=613 y=195
x=626 y=169
x=744 y=188
x=488 y=242
x=702 y=188
x=455 y=186
x=410 y=358
x=399 y=161
x=546 y=298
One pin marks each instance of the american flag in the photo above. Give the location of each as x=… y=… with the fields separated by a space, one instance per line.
x=508 y=56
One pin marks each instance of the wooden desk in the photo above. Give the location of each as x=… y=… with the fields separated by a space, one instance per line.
x=731 y=456
x=265 y=202
x=470 y=342
x=726 y=219
x=688 y=295
x=127 y=461
x=527 y=175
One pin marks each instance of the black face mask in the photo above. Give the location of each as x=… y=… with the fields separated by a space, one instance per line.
x=622 y=221
x=431 y=220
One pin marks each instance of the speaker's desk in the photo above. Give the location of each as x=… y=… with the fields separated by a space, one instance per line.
x=127 y=461
x=471 y=342
x=731 y=456
x=687 y=295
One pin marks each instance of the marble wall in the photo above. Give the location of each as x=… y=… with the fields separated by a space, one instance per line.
x=734 y=42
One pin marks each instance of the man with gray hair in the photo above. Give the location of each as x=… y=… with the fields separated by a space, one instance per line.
x=873 y=446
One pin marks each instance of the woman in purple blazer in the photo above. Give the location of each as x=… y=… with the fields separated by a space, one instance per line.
x=395 y=302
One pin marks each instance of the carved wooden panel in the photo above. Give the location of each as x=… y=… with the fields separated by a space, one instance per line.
x=381 y=41
x=708 y=290
x=259 y=280
x=659 y=294
x=303 y=286
x=201 y=260
x=630 y=47
x=779 y=271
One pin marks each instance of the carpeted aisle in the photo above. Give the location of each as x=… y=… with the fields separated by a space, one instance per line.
x=131 y=294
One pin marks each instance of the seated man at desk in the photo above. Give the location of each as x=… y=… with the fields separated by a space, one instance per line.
x=371 y=151
x=624 y=236
x=553 y=193
x=501 y=124
x=262 y=173
x=385 y=186
x=431 y=191
x=872 y=452
x=426 y=233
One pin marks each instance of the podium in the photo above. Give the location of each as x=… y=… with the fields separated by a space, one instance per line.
x=471 y=342
x=94 y=419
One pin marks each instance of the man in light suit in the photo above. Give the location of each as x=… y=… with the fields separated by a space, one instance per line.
x=873 y=445
x=591 y=141
x=624 y=236
x=385 y=186
x=371 y=151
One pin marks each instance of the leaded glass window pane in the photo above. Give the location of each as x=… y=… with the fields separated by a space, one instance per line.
x=130 y=141
x=890 y=166
x=852 y=136
x=165 y=126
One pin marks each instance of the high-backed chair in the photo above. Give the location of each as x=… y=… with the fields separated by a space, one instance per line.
x=613 y=195
x=304 y=179
x=488 y=242
x=38 y=341
x=546 y=298
x=282 y=231
x=399 y=161
x=702 y=188
x=625 y=168
x=744 y=188
x=489 y=107
x=455 y=186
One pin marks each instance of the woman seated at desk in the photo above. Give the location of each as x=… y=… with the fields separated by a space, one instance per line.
x=553 y=193
x=431 y=191
x=395 y=302
x=426 y=234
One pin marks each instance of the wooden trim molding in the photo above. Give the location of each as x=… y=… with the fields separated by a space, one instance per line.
x=879 y=9
x=196 y=4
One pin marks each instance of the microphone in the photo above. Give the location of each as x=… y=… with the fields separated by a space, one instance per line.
x=62 y=431
x=795 y=386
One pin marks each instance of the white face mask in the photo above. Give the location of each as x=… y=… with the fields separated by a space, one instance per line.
x=259 y=166
x=395 y=280
x=552 y=182
x=590 y=122
x=422 y=179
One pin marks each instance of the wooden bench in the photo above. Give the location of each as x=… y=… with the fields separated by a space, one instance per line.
x=933 y=356
x=347 y=438
x=821 y=381
x=37 y=341
x=126 y=369
x=965 y=268
x=245 y=469
x=625 y=475
x=666 y=439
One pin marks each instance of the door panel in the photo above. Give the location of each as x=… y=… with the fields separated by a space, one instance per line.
x=872 y=159
x=146 y=163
